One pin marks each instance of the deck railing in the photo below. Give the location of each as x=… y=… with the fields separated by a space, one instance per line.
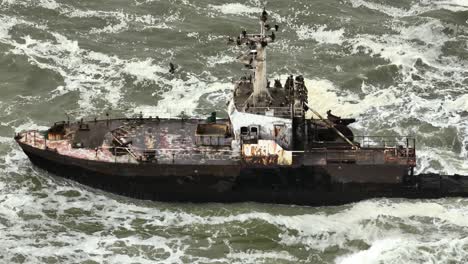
x=173 y=112
x=171 y=156
x=386 y=141
x=280 y=111
x=367 y=156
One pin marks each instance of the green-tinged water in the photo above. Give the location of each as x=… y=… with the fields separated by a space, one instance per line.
x=399 y=67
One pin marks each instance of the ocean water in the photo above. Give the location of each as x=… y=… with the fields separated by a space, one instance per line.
x=400 y=67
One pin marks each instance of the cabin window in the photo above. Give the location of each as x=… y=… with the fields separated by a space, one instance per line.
x=244 y=130
x=253 y=131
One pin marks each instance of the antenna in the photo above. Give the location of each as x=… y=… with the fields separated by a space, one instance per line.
x=255 y=59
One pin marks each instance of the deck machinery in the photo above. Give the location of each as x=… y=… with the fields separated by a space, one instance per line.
x=265 y=151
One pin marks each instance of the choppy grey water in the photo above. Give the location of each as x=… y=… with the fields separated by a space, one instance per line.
x=400 y=67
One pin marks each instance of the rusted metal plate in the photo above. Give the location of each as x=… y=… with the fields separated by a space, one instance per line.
x=266 y=152
x=400 y=156
x=212 y=130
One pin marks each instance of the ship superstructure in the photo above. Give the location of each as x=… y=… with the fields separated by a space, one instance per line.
x=266 y=150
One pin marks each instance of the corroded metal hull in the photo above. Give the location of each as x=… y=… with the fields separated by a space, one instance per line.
x=305 y=185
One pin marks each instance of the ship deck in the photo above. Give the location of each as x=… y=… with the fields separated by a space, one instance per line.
x=184 y=141
x=138 y=140
x=279 y=105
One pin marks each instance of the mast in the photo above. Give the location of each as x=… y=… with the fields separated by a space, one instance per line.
x=255 y=59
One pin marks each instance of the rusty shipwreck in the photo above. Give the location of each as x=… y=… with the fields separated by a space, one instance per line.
x=266 y=150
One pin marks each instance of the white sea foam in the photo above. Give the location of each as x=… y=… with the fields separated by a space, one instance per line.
x=144 y=70
x=14 y=161
x=236 y=9
x=348 y=224
x=111 y=28
x=7 y=2
x=253 y=256
x=185 y=96
x=415 y=9
x=459 y=104
x=138 y=22
x=30 y=126
x=49 y=4
x=212 y=61
x=399 y=50
x=125 y=20
x=5 y=139
x=452 y=5
x=321 y=34
x=389 y=10
x=324 y=95
x=6 y=23
x=378 y=252
x=445 y=250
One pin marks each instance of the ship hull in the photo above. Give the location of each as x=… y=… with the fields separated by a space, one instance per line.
x=303 y=185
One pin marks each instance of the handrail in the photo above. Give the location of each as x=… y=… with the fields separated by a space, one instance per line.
x=387 y=141
x=269 y=107
x=172 y=156
x=395 y=136
x=366 y=156
x=165 y=113
x=166 y=149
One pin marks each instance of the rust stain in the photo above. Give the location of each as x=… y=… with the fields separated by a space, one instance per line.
x=266 y=152
x=400 y=156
